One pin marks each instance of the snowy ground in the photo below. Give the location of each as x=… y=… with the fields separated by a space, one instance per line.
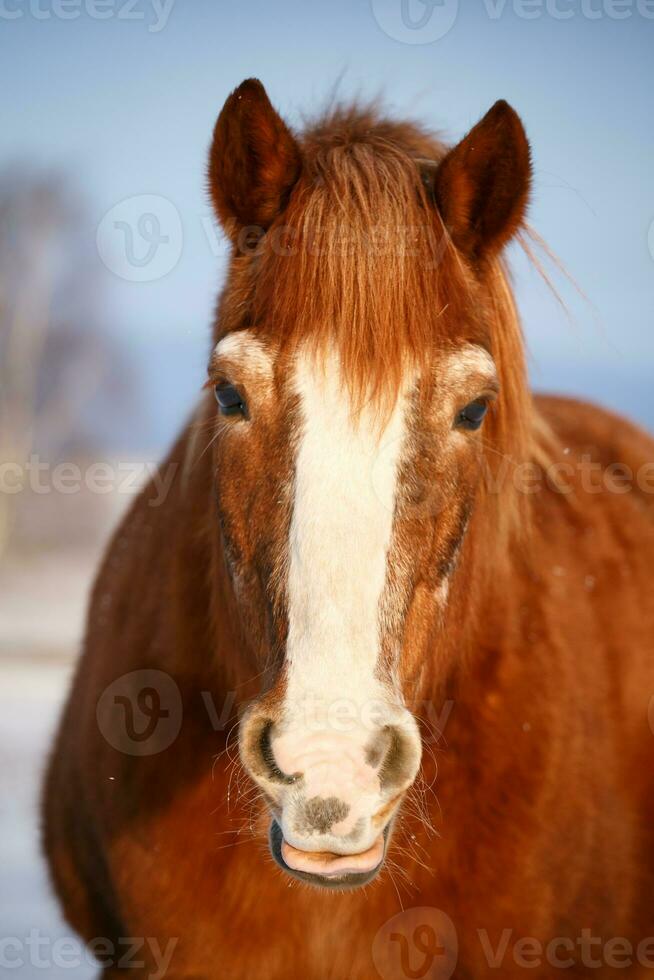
x=42 y=604
x=32 y=933
x=44 y=585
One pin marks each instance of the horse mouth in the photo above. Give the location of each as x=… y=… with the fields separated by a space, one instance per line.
x=337 y=871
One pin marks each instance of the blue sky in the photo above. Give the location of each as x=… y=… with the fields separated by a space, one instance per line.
x=125 y=105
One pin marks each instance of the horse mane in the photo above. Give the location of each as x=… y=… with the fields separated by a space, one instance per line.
x=360 y=262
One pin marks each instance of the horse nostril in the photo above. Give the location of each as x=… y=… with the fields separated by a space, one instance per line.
x=395 y=756
x=272 y=770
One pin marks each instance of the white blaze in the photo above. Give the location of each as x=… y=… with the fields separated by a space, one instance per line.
x=345 y=486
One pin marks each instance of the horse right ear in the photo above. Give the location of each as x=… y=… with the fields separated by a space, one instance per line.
x=254 y=160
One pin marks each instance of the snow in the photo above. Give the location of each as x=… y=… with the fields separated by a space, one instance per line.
x=32 y=932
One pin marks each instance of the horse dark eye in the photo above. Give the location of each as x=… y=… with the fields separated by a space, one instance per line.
x=230 y=400
x=472 y=415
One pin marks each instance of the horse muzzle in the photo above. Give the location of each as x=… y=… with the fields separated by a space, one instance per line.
x=333 y=795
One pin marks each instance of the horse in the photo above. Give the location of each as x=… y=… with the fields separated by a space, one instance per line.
x=367 y=692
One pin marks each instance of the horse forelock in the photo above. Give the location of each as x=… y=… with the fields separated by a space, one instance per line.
x=360 y=263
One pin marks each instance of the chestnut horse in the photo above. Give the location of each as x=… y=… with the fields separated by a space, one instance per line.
x=423 y=594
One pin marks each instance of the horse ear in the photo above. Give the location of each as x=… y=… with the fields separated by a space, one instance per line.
x=482 y=185
x=254 y=160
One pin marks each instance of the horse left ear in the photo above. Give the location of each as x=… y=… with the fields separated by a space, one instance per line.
x=482 y=185
x=254 y=160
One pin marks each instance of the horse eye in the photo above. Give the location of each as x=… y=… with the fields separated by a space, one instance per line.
x=472 y=415
x=230 y=400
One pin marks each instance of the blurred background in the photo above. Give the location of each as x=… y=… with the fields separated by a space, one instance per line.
x=110 y=262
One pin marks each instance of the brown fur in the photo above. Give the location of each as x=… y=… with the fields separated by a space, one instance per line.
x=541 y=790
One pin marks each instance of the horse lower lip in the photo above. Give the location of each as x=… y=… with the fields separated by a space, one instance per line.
x=333 y=865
